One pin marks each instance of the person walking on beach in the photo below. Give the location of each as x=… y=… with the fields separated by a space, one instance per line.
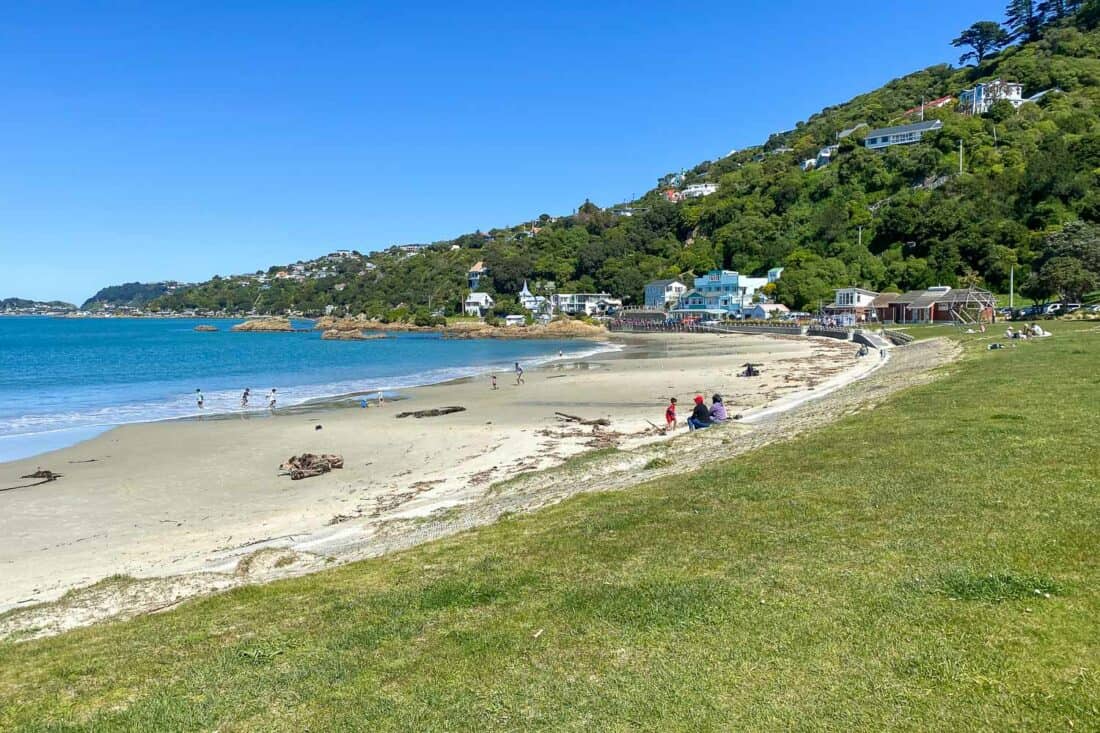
x=271 y=400
x=381 y=399
x=493 y=380
x=199 y=400
x=519 y=374
x=670 y=415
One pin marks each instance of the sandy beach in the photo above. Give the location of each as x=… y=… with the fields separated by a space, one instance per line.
x=201 y=497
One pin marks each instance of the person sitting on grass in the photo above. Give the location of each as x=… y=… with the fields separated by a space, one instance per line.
x=700 y=415
x=718 y=409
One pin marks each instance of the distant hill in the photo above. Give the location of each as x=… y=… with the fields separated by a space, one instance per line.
x=12 y=305
x=133 y=295
x=814 y=200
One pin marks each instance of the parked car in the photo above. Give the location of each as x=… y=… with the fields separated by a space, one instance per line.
x=1070 y=307
x=1051 y=309
x=1094 y=308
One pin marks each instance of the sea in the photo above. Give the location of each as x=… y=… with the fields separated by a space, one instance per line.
x=65 y=380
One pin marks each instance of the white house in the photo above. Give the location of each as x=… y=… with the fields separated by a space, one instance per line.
x=478 y=304
x=982 y=97
x=901 y=135
x=699 y=190
x=662 y=293
x=764 y=311
x=852 y=305
x=475 y=273
x=587 y=304
x=514 y=320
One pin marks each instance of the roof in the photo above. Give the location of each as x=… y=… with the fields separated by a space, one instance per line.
x=885 y=299
x=858 y=290
x=479 y=267
x=934 y=104
x=926 y=298
x=662 y=283
x=925 y=126
x=769 y=307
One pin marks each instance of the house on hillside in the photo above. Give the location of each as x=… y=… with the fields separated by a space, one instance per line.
x=478 y=304
x=764 y=311
x=474 y=275
x=774 y=274
x=662 y=293
x=982 y=97
x=853 y=305
x=934 y=104
x=940 y=304
x=698 y=190
x=901 y=135
x=515 y=320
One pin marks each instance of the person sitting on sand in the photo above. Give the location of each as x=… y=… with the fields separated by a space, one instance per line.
x=718 y=409
x=670 y=414
x=700 y=415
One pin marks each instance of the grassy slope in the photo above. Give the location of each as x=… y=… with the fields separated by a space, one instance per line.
x=881 y=574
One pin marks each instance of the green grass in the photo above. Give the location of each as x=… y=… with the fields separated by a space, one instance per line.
x=931 y=564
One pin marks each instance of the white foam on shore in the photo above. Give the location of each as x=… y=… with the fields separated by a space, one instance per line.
x=25 y=436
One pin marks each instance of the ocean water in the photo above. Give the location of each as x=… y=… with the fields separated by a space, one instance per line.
x=65 y=380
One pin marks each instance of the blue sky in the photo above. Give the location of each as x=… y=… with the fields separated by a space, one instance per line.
x=153 y=140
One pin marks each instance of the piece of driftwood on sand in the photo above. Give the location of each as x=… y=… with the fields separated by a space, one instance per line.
x=45 y=476
x=435 y=412
x=601 y=422
x=308 y=465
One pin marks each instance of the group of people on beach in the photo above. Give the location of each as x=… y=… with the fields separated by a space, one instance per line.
x=702 y=416
x=200 y=400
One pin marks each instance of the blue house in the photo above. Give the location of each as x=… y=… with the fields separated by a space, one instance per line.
x=721 y=293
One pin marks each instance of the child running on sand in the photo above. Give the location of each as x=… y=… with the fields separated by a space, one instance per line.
x=670 y=414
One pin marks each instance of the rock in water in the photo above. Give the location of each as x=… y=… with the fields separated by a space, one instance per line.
x=265 y=325
x=205 y=328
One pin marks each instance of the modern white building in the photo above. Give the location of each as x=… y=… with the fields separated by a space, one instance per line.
x=478 y=304
x=852 y=305
x=982 y=97
x=514 y=320
x=901 y=135
x=585 y=304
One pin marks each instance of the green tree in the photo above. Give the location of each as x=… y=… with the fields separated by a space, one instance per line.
x=1024 y=20
x=1068 y=278
x=984 y=37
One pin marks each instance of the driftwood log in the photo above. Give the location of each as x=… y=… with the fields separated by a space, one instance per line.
x=436 y=412
x=600 y=422
x=308 y=465
x=44 y=476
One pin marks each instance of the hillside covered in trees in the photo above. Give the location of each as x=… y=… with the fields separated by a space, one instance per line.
x=1027 y=198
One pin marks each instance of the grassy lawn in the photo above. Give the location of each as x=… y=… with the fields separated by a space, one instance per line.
x=933 y=564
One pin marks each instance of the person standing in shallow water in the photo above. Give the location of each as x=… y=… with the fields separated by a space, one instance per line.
x=199 y=399
x=244 y=396
x=271 y=400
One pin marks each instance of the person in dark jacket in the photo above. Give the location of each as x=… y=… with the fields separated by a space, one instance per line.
x=700 y=415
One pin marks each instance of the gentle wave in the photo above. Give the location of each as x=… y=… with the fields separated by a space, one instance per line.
x=224 y=402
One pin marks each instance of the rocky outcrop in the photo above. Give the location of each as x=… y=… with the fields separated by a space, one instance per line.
x=265 y=325
x=334 y=334
x=560 y=329
x=205 y=328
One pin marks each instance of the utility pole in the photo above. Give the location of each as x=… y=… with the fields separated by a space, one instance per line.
x=1012 y=287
